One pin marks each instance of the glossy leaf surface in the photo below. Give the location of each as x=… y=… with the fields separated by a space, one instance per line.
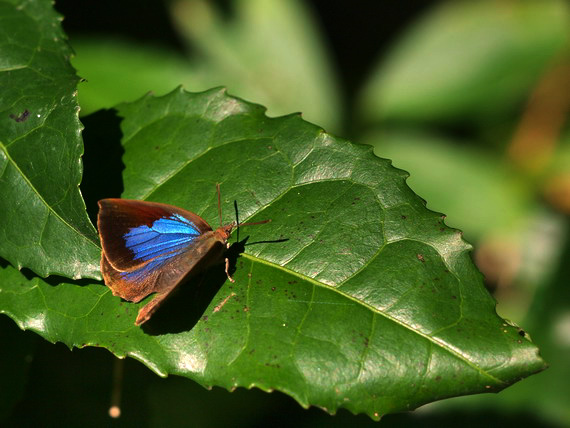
x=43 y=222
x=354 y=296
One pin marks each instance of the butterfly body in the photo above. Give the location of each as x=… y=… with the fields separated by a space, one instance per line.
x=150 y=247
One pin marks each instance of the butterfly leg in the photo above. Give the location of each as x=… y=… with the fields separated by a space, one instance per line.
x=147 y=310
x=228 y=270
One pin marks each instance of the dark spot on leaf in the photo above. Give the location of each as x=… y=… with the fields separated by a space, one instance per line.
x=272 y=288
x=205 y=318
x=252 y=351
x=366 y=341
x=356 y=199
x=442 y=229
x=522 y=333
x=156 y=148
x=420 y=258
x=21 y=117
x=437 y=378
x=404 y=217
x=312 y=216
x=454 y=297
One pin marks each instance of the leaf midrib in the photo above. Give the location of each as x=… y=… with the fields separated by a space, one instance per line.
x=432 y=339
x=44 y=202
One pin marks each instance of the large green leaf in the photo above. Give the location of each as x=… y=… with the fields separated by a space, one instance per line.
x=43 y=223
x=354 y=296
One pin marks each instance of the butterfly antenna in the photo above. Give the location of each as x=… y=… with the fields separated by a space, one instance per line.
x=219 y=203
x=238 y=224
x=237 y=219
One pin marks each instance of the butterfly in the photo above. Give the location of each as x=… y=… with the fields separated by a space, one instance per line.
x=149 y=247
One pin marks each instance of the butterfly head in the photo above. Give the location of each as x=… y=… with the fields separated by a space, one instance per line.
x=224 y=232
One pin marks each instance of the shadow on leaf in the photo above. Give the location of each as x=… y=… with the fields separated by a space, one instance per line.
x=102 y=161
x=189 y=302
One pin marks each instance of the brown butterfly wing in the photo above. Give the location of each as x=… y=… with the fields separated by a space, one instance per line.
x=118 y=216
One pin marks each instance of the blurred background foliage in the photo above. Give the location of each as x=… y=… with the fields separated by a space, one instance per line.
x=470 y=97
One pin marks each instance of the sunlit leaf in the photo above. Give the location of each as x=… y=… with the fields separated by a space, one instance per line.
x=43 y=222
x=354 y=296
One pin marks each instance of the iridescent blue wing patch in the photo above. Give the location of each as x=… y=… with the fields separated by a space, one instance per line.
x=165 y=238
x=135 y=232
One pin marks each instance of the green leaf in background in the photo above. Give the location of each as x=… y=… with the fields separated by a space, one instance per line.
x=355 y=296
x=266 y=51
x=108 y=64
x=467 y=60
x=43 y=222
x=269 y=51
